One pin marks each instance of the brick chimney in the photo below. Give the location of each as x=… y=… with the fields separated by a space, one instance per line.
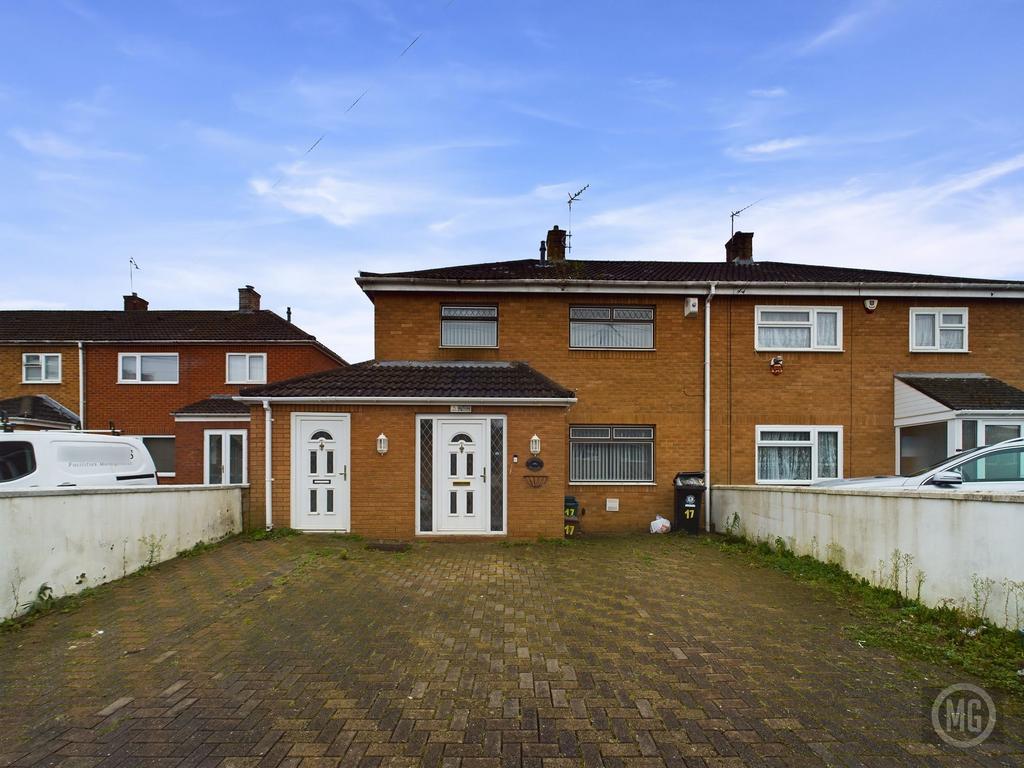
x=556 y=244
x=135 y=303
x=740 y=248
x=248 y=299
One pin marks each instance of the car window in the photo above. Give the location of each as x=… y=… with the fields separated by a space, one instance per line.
x=999 y=466
x=17 y=459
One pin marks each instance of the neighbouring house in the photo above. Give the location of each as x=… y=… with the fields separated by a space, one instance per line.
x=614 y=375
x=148 y=373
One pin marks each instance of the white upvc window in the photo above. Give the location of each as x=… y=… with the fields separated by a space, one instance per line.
x=611 y=327
x=224 y=456
x=40 y=368
x=157 y=368
x=469 y=326
x=611 y=454
x=247 y=368
x=798 y=455
x=938 y=329
x=796 y=328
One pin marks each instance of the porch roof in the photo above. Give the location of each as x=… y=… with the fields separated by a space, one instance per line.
x=410 y=379
x=966 y=391
x=215 y=405
x=38 y=408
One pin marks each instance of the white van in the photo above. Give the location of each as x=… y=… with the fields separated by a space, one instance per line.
x=62 y=459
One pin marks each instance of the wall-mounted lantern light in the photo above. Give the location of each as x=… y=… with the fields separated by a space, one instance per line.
x=534 y=445
x=382 y=443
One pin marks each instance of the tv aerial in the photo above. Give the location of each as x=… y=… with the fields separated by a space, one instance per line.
x=573 y=198
x=734 y=214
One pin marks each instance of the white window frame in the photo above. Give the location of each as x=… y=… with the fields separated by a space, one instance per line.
x=225 y=434
x=937 y=313
x=814 y=429
x=612 y=309
x=143 y=438
x=611 y=439
x=247 y=356
x=138 y=366
x=812 y=324
x=42 y=362
x=485 y=307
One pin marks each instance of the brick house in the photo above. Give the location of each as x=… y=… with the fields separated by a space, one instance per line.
x=789 y=373
x=149 y=373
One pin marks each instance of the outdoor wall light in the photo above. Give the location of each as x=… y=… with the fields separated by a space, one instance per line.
x=382 y=443
x=534 y=445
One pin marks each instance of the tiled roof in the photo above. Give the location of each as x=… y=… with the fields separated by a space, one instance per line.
x=148 y=325
x=669 y=271
x=404 y=378
x=217 y=405
x=967 y=392
x=38 y=408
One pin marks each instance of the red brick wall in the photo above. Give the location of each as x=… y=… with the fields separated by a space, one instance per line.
x=383 y=488
x=664 y=387
x=145 y=409
x=189 y=446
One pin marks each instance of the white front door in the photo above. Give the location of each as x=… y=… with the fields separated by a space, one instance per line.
x=320 y=472
x=461 y=482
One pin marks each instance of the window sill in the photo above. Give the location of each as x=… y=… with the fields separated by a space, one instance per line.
x=42 y=381
x=614 y=484
x=940 y=351
x=244 y=383
x=802 y=483
x=613 y=349
x=449 y=346
x=797 y=349
x=166 y=474
x=149 y=383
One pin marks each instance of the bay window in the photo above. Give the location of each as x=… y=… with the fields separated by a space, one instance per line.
x=799 y=455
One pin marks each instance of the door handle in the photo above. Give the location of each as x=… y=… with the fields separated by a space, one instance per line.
x=344 y=472
x=483 y=475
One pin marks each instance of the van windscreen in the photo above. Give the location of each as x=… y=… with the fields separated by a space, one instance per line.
x=17 y=459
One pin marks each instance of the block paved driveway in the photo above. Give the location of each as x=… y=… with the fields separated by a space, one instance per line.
x=620 y=652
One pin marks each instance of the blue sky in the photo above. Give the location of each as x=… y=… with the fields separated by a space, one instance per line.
x=879 y=134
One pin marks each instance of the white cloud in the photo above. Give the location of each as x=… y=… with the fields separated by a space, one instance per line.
x=841 y=27
x=966 y=225
x=774 y=146
x=768 y=93
x=49 y=144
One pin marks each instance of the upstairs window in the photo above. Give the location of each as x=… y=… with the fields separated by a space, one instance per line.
x=469 y=326
x=40 y=369
x=247 y=368
x=148 y=369
x=786 y=329
x=611 y=327
x=942 y=329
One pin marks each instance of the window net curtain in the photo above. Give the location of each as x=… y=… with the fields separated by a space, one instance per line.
x=827 y=329
x=924 y=330
x=621 y=462
x=469 y=333
x=828 y=454
x=631 y=335
x=784 y=337
x=784 y=462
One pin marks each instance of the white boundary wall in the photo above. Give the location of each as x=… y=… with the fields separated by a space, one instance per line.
x=77 y=538
x=952 y=537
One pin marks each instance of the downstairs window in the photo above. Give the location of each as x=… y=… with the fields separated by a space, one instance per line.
x=788 y=455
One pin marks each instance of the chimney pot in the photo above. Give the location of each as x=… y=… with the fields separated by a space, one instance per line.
x=556 y=244
x=248 y=299
x=740 y=248
x=135 y=303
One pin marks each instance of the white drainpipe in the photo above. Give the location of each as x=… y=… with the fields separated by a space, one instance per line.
x=707 y=407
x=268 y=480
x=81 y=385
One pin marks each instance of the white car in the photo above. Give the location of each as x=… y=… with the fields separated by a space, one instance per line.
x=61 y=459
x=997 y=468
